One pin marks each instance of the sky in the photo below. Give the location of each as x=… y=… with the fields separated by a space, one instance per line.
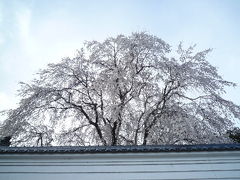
x=35 y=33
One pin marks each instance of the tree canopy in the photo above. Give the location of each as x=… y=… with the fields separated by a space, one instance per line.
x=126 y=90
x=234 y=134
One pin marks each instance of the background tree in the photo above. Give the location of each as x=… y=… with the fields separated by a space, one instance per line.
x=234 y=134
x=5 y=141
x=126 y=90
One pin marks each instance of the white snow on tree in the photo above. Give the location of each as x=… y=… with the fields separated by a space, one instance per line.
x=126 y=90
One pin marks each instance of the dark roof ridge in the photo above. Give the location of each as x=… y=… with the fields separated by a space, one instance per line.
x=121 y=149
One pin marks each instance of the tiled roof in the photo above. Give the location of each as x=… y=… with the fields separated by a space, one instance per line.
x=121 y=149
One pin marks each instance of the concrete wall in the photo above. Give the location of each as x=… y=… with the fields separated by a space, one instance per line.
x=134 y=166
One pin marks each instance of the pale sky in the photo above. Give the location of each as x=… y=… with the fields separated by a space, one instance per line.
x=35 y=33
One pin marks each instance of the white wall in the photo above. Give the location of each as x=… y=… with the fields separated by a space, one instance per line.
x=138 y=166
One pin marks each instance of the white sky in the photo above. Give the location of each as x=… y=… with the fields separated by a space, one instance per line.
x=35 y=33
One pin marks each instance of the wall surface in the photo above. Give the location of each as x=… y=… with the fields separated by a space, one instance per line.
x=134 y=166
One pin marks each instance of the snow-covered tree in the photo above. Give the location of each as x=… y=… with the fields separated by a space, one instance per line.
x=234 y=134
x=128 y=90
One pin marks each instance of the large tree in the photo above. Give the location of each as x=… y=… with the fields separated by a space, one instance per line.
x=127 y=90
x=234 y=134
